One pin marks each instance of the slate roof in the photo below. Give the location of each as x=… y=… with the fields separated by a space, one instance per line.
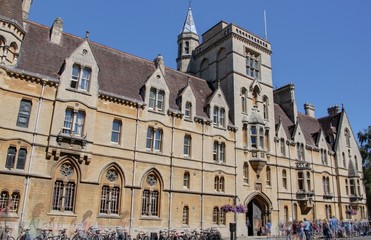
x=120 y=73
x=330 y=123
x=309 y=125
x=281 y=116
x=11 y=10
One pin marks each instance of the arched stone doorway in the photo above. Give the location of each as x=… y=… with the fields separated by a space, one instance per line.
x=258 y=213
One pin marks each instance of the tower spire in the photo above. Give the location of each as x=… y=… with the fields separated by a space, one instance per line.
x=188 y=40
x=189 y=23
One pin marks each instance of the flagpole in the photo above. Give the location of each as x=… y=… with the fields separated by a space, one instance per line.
x=265 y=26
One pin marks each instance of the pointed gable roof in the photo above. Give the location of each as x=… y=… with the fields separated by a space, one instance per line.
x=330 y=123
x=281 y=117
x=310 y=127
x=11 y=10
x=189 y=24
x=121 y=74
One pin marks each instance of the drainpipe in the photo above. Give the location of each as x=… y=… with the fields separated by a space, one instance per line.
x=28 y=179
x=314 y=187
x=202 y=176
x=134 y=172
x=292 y=204
x=235 y=179
x=171 y=173
x=278 y=195
x=333 y=187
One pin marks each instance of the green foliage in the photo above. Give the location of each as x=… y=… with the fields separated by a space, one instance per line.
x=364 y=139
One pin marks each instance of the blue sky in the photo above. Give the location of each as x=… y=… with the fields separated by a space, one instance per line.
x=322 y=46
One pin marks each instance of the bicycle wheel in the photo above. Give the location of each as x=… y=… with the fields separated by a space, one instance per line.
x=10 y=238
x=193 y=238
x=95 y=237
x=76 y=237
x=145 y=238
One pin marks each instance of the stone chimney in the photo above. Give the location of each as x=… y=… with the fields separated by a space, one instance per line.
x=160 y=63
x=26 y=5
x=309 y=110
x=285 y=97
x=56 y=31
x=333 y=110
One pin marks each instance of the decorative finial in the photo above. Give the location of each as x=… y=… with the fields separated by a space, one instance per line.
x=342 y=107
x=218 y=83
x=190 y=3
x=87 y=34
x=189 y=81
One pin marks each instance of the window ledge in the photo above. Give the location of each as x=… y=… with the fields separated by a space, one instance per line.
x=112 y=216
x=151 y=218
x=219 y=127
x=78 y=91
x=153 y=151
x=157 y=112
x=188 y=119
x=59 y=213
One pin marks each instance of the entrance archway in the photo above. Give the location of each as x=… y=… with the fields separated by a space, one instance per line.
x=258 y=213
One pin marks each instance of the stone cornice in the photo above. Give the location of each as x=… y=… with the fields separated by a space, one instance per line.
x=30 y=76
x=251 y=43
x=108 y=96
x=13 y=22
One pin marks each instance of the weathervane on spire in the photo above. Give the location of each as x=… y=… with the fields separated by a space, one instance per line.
x=189 y=24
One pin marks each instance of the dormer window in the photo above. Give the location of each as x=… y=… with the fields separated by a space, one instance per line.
x=219 y=116
x=80 y=78
x=156 y=100
x=188 y=110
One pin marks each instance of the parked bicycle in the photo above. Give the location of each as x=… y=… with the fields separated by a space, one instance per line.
x=43 y=234
x=122 y=234
x=62 y=235
x=142 y=236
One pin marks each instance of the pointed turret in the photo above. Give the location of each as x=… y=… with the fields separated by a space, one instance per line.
x=189 y=24
x=188 y=40
x=11 y=31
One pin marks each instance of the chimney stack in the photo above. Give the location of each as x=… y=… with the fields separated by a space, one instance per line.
x=333 y=110
x=309 y=110
x=56 y=31
x=26 y=5
x=160 y=63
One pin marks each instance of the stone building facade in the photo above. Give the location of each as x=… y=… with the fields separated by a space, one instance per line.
x=90 y=135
